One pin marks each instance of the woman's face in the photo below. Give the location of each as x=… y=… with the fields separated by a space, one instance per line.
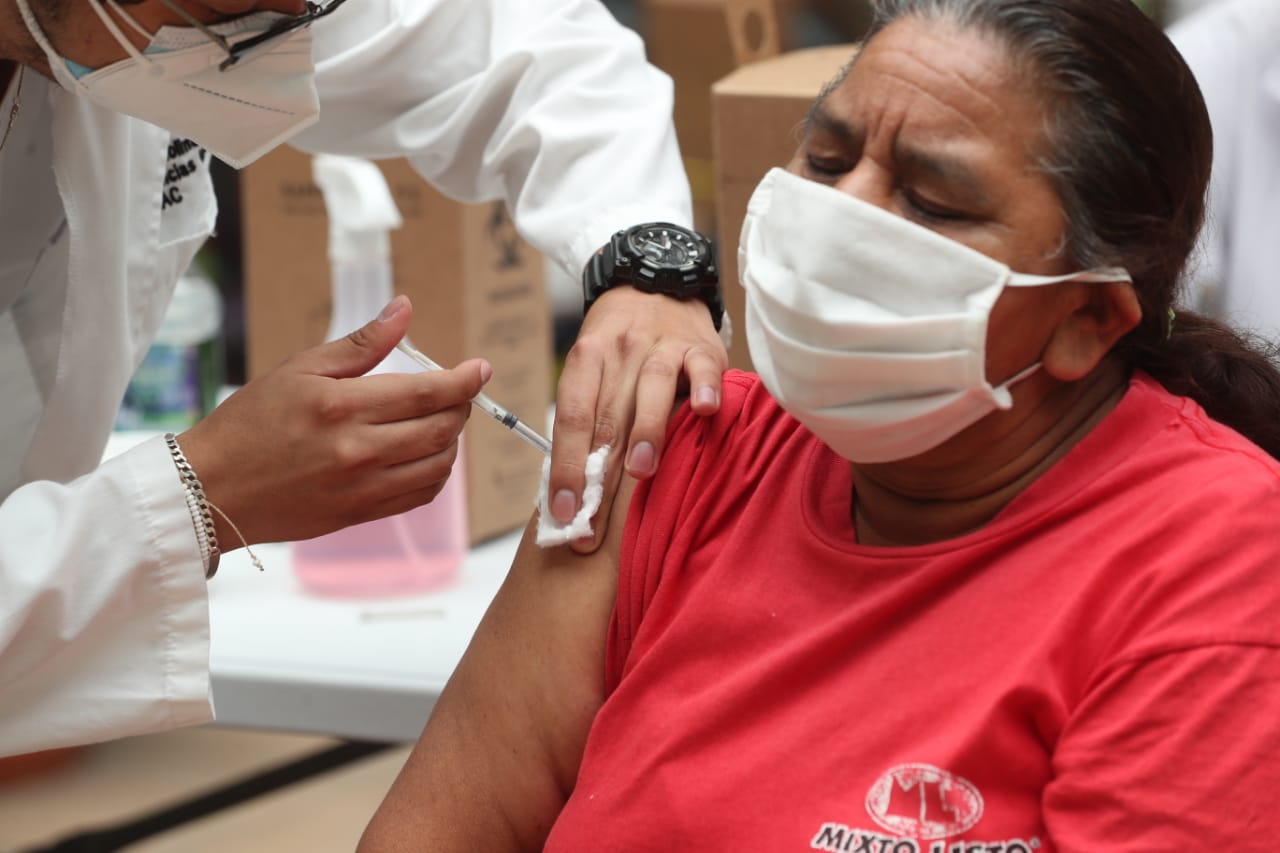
x=938 y=126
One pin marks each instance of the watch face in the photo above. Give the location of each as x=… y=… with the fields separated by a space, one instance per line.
x=665 y=246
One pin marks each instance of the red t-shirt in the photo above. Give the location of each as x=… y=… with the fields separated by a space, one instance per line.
x=1096 y=669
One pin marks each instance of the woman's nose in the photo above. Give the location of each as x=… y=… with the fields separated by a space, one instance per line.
x=868 y=181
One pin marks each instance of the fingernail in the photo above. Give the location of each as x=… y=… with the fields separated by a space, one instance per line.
x=394 y=307
x=564 y=506
x=642 y=459
x=486 y=372
x=705 y=396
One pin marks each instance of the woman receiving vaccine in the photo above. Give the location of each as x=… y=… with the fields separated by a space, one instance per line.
x=983 y=561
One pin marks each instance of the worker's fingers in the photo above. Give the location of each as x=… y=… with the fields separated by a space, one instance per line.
x=615 y=411
x=401 y=442
x=655 y=395
x=617 y=388
x=293 y=454
x=362 y=350
x=705 y=369
x=410 y=485
x=574 y=432
x=391 y=397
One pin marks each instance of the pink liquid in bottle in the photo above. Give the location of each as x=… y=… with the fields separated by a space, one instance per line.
x=422 y=548
x=406 y=554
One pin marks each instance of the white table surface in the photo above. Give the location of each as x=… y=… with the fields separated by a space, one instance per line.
x=285 y=659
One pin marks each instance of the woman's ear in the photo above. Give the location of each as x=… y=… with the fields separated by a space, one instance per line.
x=1104 y=313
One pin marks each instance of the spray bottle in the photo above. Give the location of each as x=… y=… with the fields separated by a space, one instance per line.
x=422 y=548
x=179 y=379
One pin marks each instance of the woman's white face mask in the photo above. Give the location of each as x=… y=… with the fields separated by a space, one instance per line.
x=869 y=329
x=176 y=83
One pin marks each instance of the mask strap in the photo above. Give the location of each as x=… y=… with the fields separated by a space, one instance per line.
x=120 y=37
x=1000 y=394
x=132 y=21
x=1102 y=274
x=1022 y=374
x=129 y=19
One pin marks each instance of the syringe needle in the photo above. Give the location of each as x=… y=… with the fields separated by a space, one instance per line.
x=485 y=403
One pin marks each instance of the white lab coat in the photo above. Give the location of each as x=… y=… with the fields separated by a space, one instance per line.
x=103 y=604
x=1234 y=49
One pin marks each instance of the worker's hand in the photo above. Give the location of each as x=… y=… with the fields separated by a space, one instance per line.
x=314 y=446
x=634 y=353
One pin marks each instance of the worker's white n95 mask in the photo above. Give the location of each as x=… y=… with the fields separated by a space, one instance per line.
x=870 y=329
x=238 y=114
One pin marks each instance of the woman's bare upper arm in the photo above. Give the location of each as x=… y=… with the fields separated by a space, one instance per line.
x=501 y=751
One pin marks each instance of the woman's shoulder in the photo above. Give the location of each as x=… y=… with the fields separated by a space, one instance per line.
x=749 y=430
x=745 y=396
x=1196 y=443
x=1189 y=517
x=745 y=403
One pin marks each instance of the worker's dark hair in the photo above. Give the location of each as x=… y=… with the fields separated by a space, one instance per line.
x=57 y=9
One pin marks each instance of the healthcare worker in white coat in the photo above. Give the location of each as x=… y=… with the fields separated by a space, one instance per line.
x=1233 y=47
x=109 y=115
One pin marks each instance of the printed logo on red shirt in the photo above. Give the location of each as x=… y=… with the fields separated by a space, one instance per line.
x=923 y=808
x=922 y=801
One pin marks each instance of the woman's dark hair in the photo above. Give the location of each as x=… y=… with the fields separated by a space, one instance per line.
x=1129 y=149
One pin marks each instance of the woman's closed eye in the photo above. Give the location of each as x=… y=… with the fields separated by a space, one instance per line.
x=913 y=204
x=920 y=208
x=826 y=169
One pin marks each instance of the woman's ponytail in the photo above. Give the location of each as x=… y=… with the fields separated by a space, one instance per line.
x=1232 y=375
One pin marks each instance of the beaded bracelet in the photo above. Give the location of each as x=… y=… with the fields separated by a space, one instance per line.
x=198 y=504
x=202 y=538
x=202 y=509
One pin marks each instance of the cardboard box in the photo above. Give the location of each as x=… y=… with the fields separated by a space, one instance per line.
x=691 y=41
x=757 y=112
x=477 y=290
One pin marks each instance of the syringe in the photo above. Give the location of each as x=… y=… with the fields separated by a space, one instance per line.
x=486 y=404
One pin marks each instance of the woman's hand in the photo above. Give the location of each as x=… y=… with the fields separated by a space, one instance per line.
x=314 y=445
x=634 y=352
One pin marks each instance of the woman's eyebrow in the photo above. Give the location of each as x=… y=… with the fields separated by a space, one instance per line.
x=922 y=162
x=909 y=158
x=823 y=119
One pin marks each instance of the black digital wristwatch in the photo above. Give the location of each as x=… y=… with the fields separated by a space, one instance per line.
x=656 y=257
